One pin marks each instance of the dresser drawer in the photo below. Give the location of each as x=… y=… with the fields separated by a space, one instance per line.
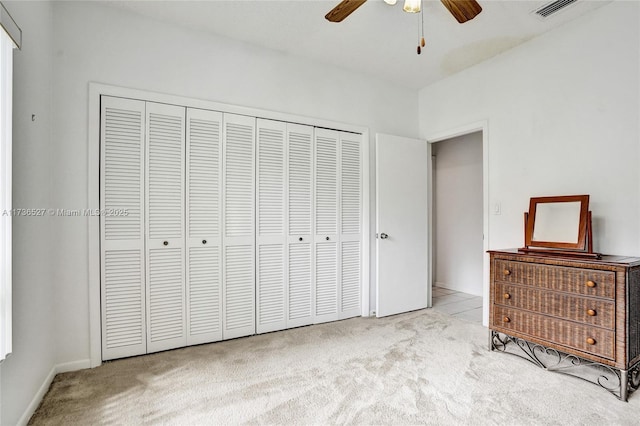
x=592 y=340
x=587 y=282
x=586 y=310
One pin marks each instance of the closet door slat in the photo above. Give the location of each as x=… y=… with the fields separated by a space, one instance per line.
x=204 y=241
x=326 y=203
x=239 y=226
x=165 y=182
x=300 y=277
x=350 y=188
x=350 y=279
x=271 y=303
x=326 y=182
x=350 y=224
x=122 y=129
x=326 y=281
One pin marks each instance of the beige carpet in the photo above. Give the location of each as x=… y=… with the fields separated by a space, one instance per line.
x=418 y=368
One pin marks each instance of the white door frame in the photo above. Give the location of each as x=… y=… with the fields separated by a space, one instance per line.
x=93 y=182
x=479 y=126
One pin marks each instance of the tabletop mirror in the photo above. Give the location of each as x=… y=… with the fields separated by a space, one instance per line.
x=559 y=225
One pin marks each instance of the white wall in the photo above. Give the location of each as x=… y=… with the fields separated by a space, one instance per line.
x=563 y=118
x=457 y=210
x=25 y=370
x=101 y=44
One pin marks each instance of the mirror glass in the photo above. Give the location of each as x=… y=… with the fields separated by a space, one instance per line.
x=557 y=222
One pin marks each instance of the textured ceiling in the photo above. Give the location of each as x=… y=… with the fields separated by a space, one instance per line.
x=377 y=39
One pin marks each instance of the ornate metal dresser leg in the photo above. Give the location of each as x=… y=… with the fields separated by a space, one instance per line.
x=490 y=339
x=624 y=385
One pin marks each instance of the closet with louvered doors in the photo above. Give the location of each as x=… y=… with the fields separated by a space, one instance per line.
x=234 y=226
x=284 y=218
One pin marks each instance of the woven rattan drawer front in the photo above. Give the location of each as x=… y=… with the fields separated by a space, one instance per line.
x=591 y=340
x=587 y=282
x=586 y=310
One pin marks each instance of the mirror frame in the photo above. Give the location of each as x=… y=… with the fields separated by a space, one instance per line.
x=581 y=245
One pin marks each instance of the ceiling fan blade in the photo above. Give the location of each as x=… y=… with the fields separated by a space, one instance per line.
x=343 y=9
x=463 y=10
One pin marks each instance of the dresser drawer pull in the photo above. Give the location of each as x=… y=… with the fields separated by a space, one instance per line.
x=506 y=319
x=591 y=312
x=506 y=296
x=506 y=272
x=591 y=284
x=591 y=341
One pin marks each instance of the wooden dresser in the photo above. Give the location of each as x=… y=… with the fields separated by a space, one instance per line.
x=576 y=316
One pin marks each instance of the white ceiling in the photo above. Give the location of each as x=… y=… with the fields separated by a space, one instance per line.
x=377 y=39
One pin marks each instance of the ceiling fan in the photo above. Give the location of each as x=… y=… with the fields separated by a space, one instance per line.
x=462 y=10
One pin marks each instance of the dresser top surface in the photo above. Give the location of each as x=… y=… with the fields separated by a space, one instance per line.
x=606 y=259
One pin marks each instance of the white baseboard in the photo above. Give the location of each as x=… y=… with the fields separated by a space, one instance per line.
x=37 y=398
x=462 y=290
x=31 y=408
x=73 y=366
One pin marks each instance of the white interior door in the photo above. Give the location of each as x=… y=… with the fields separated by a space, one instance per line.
x=166 y=325
x=299 y=206
x=350 y=224
x=271 y=265
x=401 y=225
x=239 y=305
x=122 y=129
x=326 y=194
x=204 y=241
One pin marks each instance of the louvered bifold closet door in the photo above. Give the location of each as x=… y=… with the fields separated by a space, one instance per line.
x=122 y=284
x=350 y=224
x=271 y=264
x=300 y=293
x=326 y=194
x=166 y=323
x=204 y=224
x=239 y=226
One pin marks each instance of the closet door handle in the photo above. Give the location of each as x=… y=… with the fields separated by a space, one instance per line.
x=204 y=241
x=300 y=239
x=166 y=243
x=327 y=238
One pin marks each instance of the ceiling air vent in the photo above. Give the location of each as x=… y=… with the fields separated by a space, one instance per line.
x=553 y=7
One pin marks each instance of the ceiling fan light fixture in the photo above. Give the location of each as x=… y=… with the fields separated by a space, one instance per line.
x=391 y=2
x=411 y=6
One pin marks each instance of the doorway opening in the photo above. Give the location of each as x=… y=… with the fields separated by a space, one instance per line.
x=458 y=226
